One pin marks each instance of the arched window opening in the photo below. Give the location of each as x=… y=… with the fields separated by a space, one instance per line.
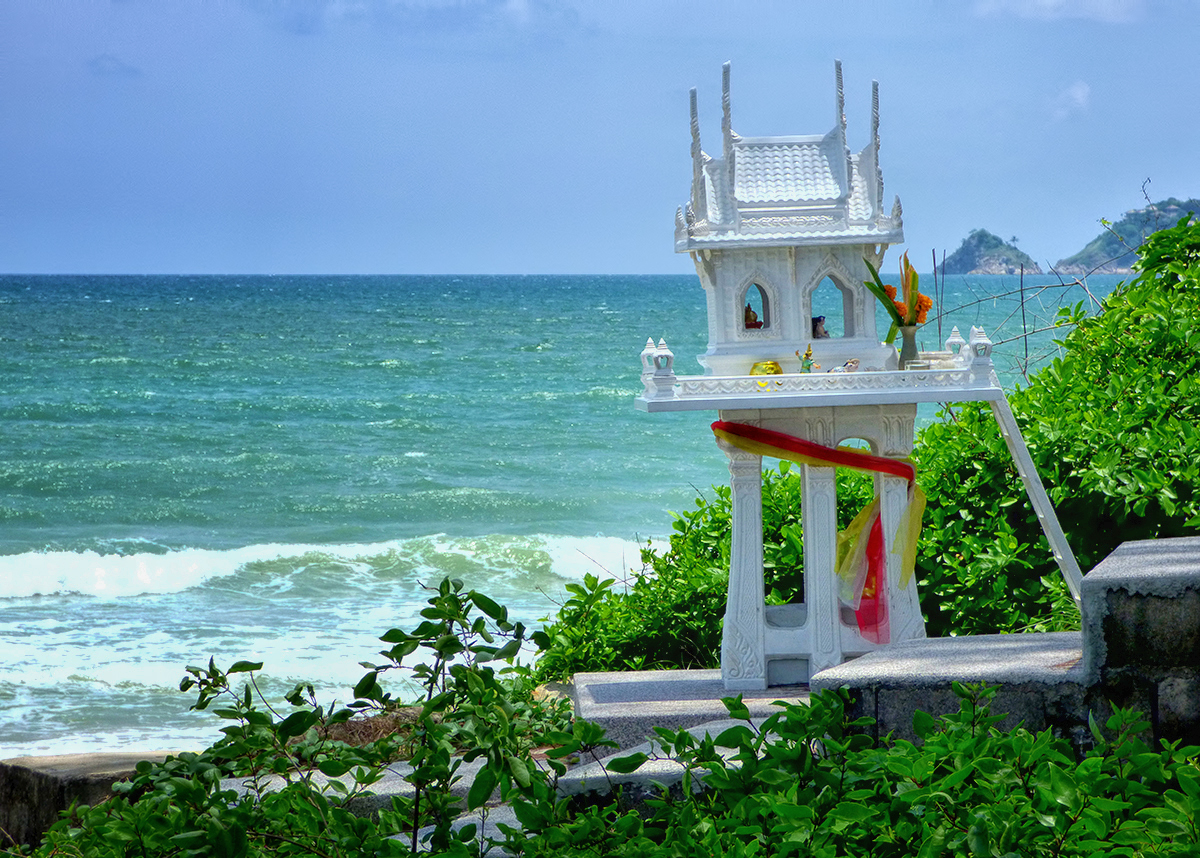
x=783 y=545
x=756 y=314
x=783 y=548
x=832 y=311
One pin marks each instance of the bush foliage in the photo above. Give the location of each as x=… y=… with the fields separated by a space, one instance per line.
x=670 y=613
x=1113 y=426
x=806 y=781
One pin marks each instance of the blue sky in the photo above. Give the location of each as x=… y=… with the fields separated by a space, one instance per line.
x=519 y=136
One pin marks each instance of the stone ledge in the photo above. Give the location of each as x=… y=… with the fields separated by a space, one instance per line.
x=630 y=705
x=1039 y=678
x=35 y=790
x=1141 y=610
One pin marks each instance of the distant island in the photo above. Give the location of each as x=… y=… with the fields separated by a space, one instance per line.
x=1112 y=251
x=984 y=253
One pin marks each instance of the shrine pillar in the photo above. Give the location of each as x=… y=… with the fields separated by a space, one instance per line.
x=742 y=663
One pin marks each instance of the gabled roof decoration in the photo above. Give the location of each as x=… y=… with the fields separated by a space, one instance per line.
x=786 y=191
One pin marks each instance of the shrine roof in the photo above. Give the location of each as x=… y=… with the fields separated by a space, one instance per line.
x=774 y=170
x=860 y=197
x=786 y=191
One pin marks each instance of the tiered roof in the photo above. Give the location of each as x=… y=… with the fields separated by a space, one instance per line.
x=786 y=191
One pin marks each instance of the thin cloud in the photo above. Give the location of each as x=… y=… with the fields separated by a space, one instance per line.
x=313 y=16
x=1107 y=11
x=107 y=65
x=1074 y=99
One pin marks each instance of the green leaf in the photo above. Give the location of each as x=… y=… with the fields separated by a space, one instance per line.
x=625 y=765
x=734 y=737
x=875 y=285
x=852 y=812
x=482 y=788
x=1062 y=787
x=979 y=839
x=774 y=777
x=532 y=817
x=332 y=768
x=924 y=724
x=488 y=606
x=245 y=667
x=366 y=685
x=519 y=770
x=507 y=651
x=737 y=709
x=955 y=778
x=296 y=724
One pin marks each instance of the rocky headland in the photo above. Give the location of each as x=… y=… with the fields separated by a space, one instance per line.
x=1113 y=250
x=981 y=252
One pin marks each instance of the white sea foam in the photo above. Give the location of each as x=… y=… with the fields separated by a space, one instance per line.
x=115 y=576
x=96 y=674
x=602 y=556
x=112 y=576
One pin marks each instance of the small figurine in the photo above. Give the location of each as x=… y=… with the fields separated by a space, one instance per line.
x=849 y=366
x=806 y=361
x=751 y=319
x=818 y=328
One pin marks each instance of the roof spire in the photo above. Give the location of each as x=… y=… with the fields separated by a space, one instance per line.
x=697 y=155
x=726 y=119
x=875 y=113
x=841 y=96
x=875 y=143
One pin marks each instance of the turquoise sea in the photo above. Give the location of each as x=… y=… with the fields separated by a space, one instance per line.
x=273 y=468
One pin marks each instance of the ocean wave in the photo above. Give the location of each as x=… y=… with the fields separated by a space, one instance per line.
x=141 y=568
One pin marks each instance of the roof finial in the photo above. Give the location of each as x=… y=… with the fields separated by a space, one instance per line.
x=695 y=123
x=726 y=117
x=875 y=113
x=841 y=95
x=875 y=143
x=697 y=153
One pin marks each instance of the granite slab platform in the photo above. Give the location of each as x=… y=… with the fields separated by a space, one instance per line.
x=1040 y=679
x=630 y=704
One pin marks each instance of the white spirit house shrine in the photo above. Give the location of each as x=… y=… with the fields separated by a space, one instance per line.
x=770 y=222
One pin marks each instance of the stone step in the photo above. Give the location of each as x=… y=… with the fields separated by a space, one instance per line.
x=630 y=704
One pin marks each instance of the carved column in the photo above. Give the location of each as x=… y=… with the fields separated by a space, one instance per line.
x=818 y=504
x=743 y=667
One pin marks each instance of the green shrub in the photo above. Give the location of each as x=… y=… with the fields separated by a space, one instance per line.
x=806 y=781
x=1113 y=427
x=670 y=613
x=300 y=783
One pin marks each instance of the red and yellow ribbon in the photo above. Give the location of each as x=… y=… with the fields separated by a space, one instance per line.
x=861 y=562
